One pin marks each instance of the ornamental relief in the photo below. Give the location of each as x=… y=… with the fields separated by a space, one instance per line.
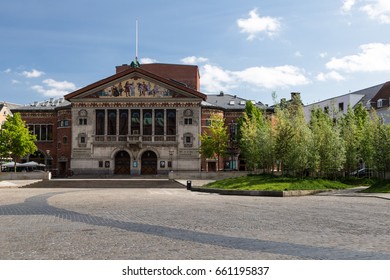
x=134 y=88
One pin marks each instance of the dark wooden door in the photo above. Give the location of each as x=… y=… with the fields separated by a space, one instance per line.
x=149 y=163
x=122 y=163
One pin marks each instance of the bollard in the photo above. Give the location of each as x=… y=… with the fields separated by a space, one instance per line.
x=189 y=185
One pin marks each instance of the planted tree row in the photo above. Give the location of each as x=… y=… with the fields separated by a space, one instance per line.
x=325 y=146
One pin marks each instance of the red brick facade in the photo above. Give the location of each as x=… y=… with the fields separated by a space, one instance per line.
x=54 y=149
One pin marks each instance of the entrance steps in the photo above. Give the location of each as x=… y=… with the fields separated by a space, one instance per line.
x=107 y=183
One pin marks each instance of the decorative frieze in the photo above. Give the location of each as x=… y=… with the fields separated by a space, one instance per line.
x=135 y=104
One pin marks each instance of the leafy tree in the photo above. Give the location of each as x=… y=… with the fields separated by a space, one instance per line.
x=352 y=134
x=293 y=137
x=256 y=139
x=214 y=142
x=328 y=152
x=16 y=139
x=380 y=144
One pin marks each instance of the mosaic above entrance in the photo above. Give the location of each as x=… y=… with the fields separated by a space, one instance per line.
x=134 y=88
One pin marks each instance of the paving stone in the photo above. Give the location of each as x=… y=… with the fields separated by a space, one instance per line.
x=142 y=223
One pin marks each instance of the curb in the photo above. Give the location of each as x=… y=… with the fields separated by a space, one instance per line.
x=259 y=193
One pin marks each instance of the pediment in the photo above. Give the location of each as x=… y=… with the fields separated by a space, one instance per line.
x=135 y=88
x=135 y=84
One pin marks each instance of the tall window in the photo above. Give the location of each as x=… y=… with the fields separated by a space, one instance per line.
x=135 y=122
x=159 y=122
x=147 y=120
x=37 y=132
x=171 y=122
x=111 y=122
x=100 y=116
x=123 y=122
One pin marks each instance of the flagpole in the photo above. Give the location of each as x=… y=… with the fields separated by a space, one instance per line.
x=136 y=40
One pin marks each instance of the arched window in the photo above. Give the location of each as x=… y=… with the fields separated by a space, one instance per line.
x=171 y=122
x=159 y=122
x=135 y=122
x=123 y=122
x=147 y=121
x=111 y=122
x=100 y=116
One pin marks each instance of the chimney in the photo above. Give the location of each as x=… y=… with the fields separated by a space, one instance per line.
x=295 y=95
x=121 y=68
x=221 y=93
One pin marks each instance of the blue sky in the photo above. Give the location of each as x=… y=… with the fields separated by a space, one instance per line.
x=247 y=48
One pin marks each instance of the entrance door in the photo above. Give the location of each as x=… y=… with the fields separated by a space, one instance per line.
x=122 y=163
x=149 y=163
x=62 y=169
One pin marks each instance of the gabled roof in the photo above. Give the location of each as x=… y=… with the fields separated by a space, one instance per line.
x=383 y=93
x=135 y=72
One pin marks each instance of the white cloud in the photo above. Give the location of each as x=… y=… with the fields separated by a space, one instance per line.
x=374 y=57
x=298 y=54
x=255 y=25
x=347 y=6
x=215 y=79
x=379 y=11
x=14 y=82
x=147 y=60
x=54 y=88
x=323 y=54
x=32 y=74
x=273 y=77
x=7 y=71
x=193 y=60
x=333 y=75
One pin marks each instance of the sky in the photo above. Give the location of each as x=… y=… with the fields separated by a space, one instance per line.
x=247 y=48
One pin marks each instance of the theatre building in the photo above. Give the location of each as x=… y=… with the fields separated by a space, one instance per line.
x=142 y=120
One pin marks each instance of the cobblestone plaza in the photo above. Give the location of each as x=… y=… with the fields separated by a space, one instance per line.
x=152 y=223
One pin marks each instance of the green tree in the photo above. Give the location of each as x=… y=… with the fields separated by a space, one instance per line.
x=214 y=142
x=328 y=150
x=256 y=139
x=16 y=139
x=380 y=144
x=351 y=133
x=293 y=137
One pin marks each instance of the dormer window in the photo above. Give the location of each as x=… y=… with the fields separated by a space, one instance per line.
x=231 y=102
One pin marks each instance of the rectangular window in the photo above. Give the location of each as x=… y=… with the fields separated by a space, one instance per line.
x=188 y=121
x=147 y=121
x=208 y=122
x=111 y=122
x=135 y=122
x=123 y=122
x=82 y=121
x=37 y=132
x=341 y=107
x=43 y=132
x=159 y=122
x=49 y=132
x=171 y=122
x=100 y=117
